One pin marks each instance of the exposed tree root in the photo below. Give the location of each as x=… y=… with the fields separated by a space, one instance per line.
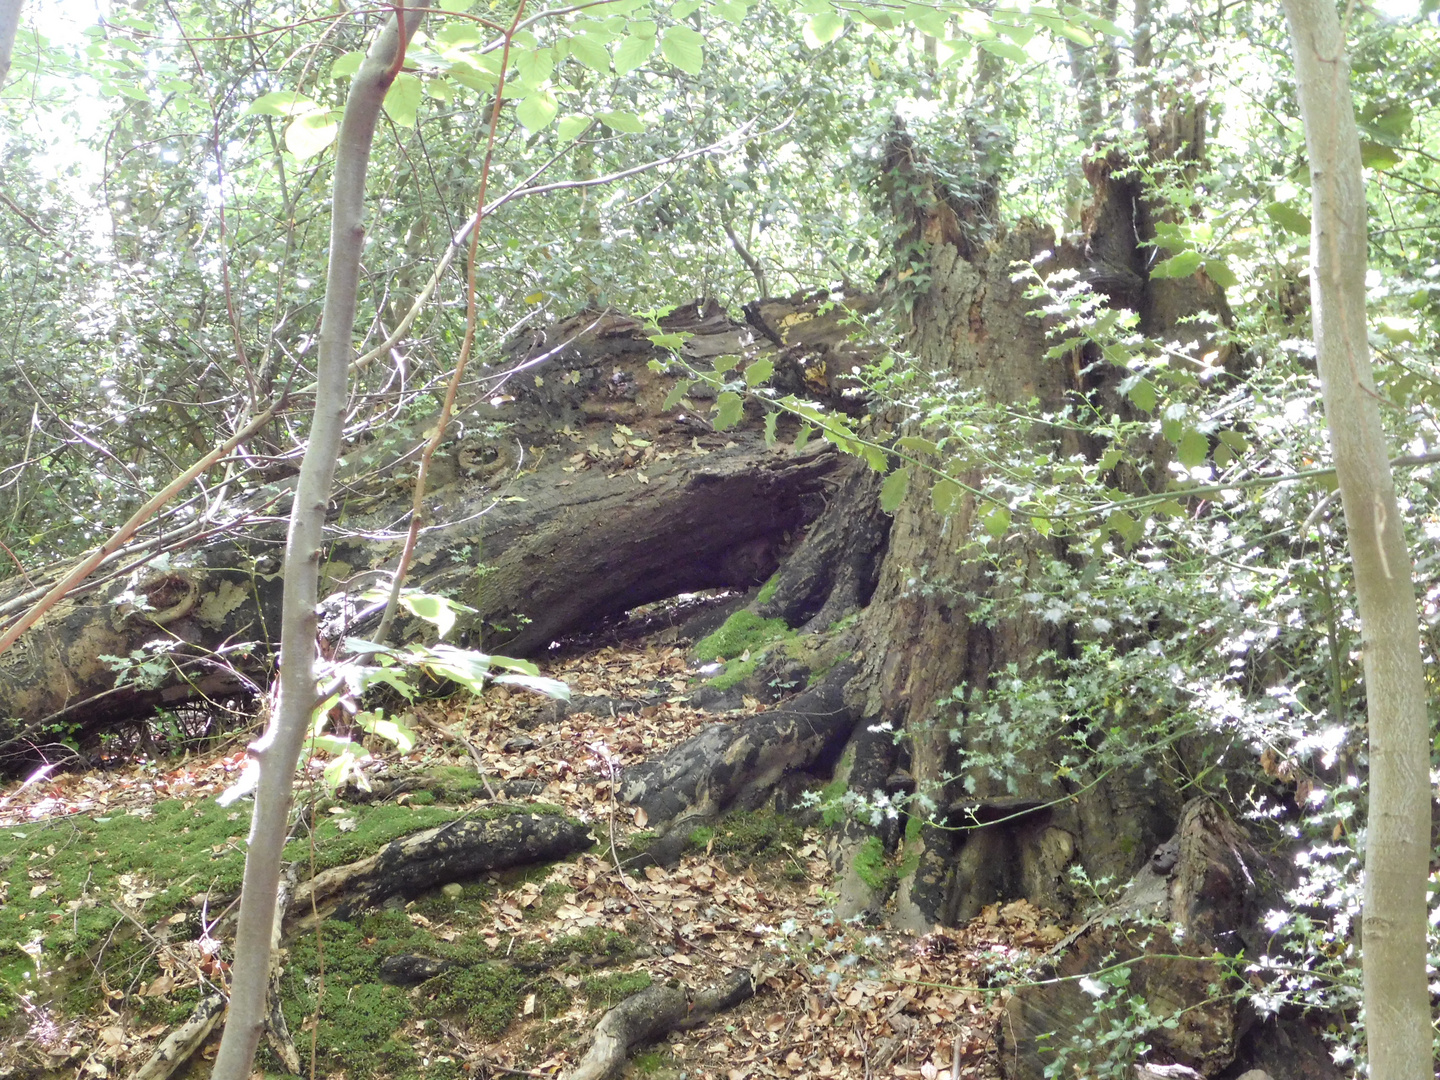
x=652 y=1013
x=702 y=776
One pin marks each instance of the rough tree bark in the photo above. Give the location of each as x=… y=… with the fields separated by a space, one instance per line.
x=276 y=752
x=1397 y=844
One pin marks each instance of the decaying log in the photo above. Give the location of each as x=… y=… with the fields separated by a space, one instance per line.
x=570 y=494
x=184 y=1040
x=652 y=1013
x=456 y=851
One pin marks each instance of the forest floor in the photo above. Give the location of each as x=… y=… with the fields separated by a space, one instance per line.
x=833 y=999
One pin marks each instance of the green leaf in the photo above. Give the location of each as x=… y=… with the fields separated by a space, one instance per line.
x=822 y=29
x=590 y=52
x=549 y=687
x=771 y=418
x=1218 y=270
x=1128 y=528
x=729 y=408
x=732 y=11
x=726 y=363
x=678 y=391
x=439 y=611
x=945 y=496
x=917 y=445
x=346 y=65
x=472 y=77
x=571 y=128
x=759 y=371
x=684 y=9
x=1192 y=449
x=535 y=66
x=1040 y=524
x=684 y=48
x=875 y=457
x=1398 y=330
x=283 y=103
x=402 y=100
x=537 y=110
x=633 y=52
x=1180 y=266
x=392 y=731
x=997 y=521
x=310 y=134
x=1144 y=396
x=1234 y=440
x=1289 y=218
x=803 y=435
x=1075 y=34
x=626 y=122
x=892 y=491
x=1374 y=155
x=1006 y=50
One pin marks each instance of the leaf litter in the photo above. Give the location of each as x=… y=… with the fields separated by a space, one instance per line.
x=833 y=998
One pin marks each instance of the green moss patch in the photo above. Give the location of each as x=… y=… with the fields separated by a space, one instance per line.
x=870 y=864
x=608 y=991
x=760 y=832
x=769 y=589
x=742 y=632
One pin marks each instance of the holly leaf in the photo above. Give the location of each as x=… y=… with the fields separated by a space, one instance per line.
x=892 y=491
x=729 y=408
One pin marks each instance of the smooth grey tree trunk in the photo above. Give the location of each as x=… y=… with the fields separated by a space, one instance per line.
x=9 y=24
x=278 y=750
x=1397 y=843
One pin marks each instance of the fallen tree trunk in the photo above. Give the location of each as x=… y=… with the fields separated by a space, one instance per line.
x=456 y=851
x=651 y=1014
x=565 y=498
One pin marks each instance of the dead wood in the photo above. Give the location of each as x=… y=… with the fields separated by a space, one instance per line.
x=652 y=1013
x=456 y=851
x=184 y=1040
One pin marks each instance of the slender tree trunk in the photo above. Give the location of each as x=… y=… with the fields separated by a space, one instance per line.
x=9 y=24
x=278 y=750
x=1397 y=846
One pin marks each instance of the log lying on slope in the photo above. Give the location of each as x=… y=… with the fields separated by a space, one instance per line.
x=456 y=851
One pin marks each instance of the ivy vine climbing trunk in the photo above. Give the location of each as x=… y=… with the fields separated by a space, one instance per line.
x=278 y=750
x=1397 y=844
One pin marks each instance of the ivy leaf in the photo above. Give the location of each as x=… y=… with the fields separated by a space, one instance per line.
x=402 y=100
x=308 y=135
x=537 y=110
x=759 y=371
x=1180 y=266
x=633 y=52
x=892 y=491
x=729 y=408
x=684 y=48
